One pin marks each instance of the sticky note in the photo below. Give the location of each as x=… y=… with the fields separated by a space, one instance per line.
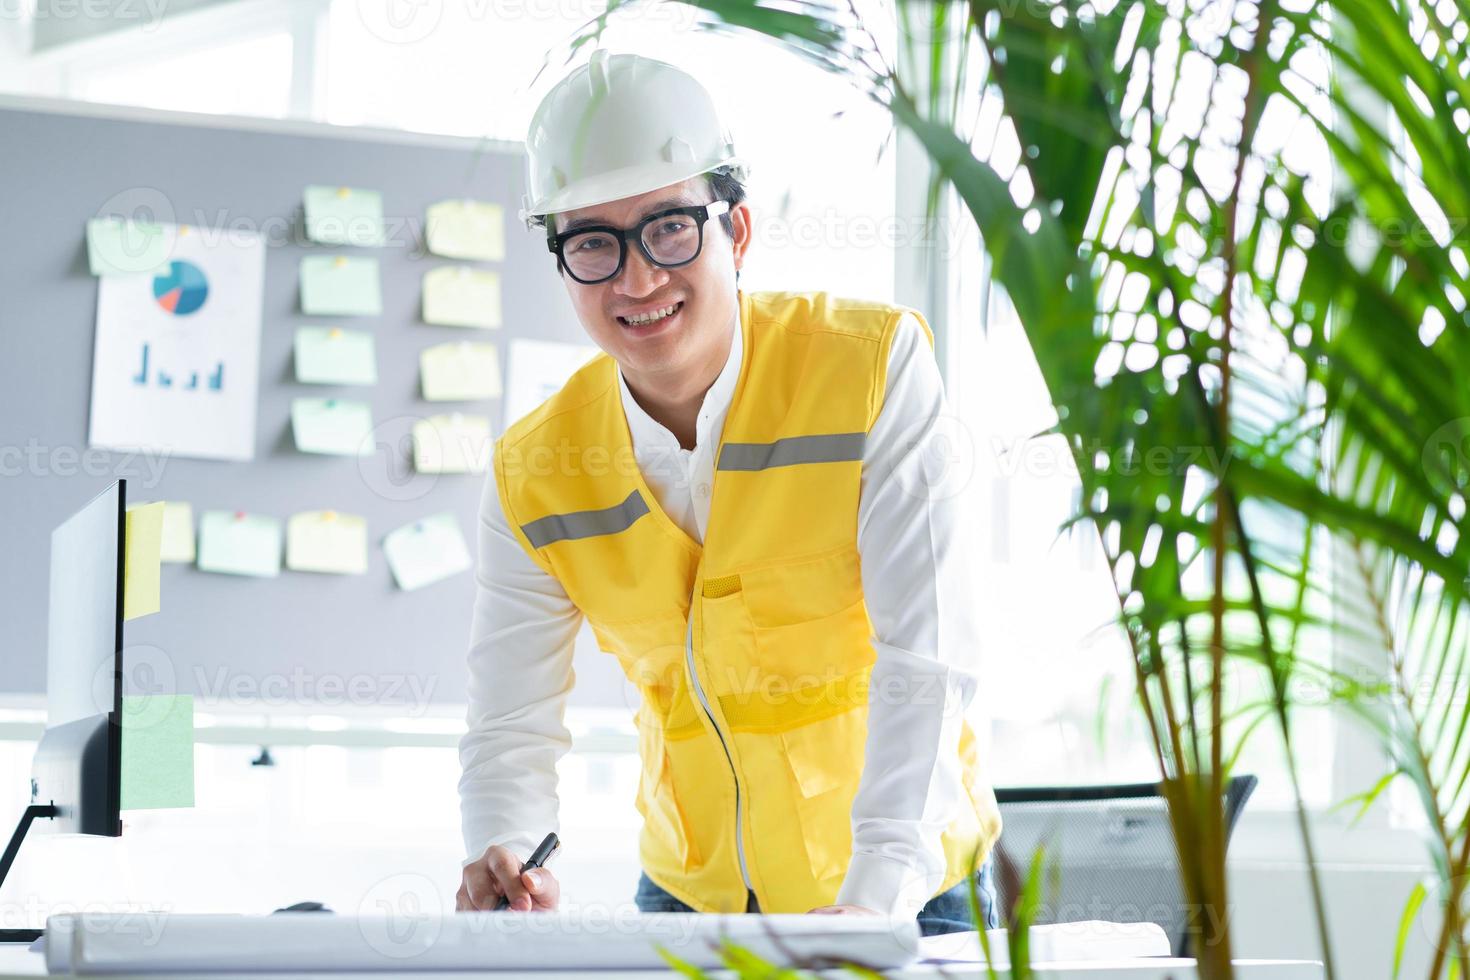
x=459 y=372
x=178 y=532
x=239 y=543
x=333 y=356
x=326 y=541
x=117 y=247
x=466 y=229
x=340 y=285
x=462 y=296
x=452 y=444
x=157 y=751
x=343 y=215
x=144 y=537
x=332 y=426
x=426 y=551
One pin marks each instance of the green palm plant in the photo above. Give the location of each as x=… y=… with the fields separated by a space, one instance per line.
x=1235 y=234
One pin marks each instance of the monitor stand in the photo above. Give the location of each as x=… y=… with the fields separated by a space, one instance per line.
x=42 y=811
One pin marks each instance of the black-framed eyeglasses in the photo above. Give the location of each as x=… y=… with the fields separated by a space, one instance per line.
x=668 y=239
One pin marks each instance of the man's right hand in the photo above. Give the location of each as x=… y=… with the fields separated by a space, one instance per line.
x=496 y=874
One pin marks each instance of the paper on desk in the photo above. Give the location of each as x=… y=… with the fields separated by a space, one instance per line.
x=452 y=444
x=416 y=934
x=332 y=426
x=178 y=532
x=144 y=535
x=343 y=215
x=239 y=543
x=1066 y=942
x=426 y=551
x=157 y=751
x=117 y=247
x=333 y=356
x=459 y=372
x=465 y=229
x=462 y=296
x=340 y=285
x=326 y=541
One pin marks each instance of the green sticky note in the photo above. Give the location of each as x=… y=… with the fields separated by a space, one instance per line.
x=332 y=426
x=157 y=751
x=340 y=285
x=466 y=230
x=462 y=296
x=333 y=356
x=426 y=551
x=239 y=544
x=116 y=247
x=144 y=534
x=178 y=532
x=344 y=215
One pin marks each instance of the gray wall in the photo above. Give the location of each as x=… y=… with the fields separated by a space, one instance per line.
x=300 y=636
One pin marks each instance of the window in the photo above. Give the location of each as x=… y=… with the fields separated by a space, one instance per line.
x=243 y=78
x=823 y=200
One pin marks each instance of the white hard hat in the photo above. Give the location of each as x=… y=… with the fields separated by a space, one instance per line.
x=621 y=126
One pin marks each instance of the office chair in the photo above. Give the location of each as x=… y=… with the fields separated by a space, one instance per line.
x=1113 y=848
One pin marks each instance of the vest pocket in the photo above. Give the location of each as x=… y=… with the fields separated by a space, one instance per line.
x=658 y=802
x=826 y=762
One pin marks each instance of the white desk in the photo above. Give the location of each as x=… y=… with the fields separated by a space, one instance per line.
x=16 y=963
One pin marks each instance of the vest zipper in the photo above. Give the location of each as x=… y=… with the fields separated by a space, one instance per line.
x=704 y=703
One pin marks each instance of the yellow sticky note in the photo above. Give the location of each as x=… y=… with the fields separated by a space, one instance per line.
x=452 y=444
x=178 y=532
x=459 y=372
x=466 y=230
x=462 y=296
x=144 y=535
x=326 y=541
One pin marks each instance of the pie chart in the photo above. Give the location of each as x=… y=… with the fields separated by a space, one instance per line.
x=182 y=289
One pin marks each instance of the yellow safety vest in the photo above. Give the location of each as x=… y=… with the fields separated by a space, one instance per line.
x=752 y=653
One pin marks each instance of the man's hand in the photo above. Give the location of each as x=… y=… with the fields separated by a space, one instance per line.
x=842 y=910
x=497 y=873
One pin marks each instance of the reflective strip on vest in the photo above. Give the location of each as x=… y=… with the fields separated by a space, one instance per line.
x=585 y=523
x=840 y=447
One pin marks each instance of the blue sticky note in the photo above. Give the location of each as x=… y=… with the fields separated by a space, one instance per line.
x=333 y=356
x=157 y=751
x=340 y=285
x=239 y=543
x=344 y=215
x=332 y=426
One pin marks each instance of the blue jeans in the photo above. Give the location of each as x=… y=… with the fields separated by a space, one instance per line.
x=946 y=912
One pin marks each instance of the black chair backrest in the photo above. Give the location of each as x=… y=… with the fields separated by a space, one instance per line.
x=1112 y=851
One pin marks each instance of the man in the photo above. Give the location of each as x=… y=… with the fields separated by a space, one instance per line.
x=736 y=495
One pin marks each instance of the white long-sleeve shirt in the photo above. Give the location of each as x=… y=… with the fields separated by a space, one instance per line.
x=915 y=542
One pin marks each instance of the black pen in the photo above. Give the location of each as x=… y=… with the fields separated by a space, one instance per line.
x=549 y=846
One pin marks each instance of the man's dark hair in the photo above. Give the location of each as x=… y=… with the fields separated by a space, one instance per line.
x=722 y=183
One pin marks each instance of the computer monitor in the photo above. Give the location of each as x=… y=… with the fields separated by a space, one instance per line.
x=76 y=775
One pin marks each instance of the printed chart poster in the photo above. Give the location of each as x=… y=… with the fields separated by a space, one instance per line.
x=177 y=357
